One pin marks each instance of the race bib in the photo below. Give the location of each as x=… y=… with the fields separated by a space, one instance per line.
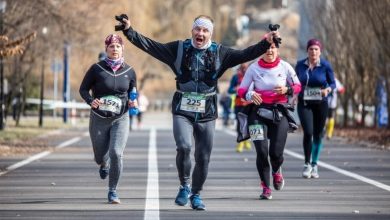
x=111 y=104
x=193 y=102
x=312 y=94
x=256 y=132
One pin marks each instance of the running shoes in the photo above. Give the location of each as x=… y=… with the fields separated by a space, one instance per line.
x=240 y=147
x=306 y=171
x=266 y=192
x=182 y=195
x=197 y=202
x=103 y=171
x=314 y=172
x=248 y=145
x=113 y=198
x=278 y=179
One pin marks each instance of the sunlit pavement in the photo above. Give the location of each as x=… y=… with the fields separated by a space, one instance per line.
x=65 y=184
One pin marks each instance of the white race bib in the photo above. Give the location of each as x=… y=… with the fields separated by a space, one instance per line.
x=311 y=93
x=256 y=132
x=111 y=104
x=193 y=102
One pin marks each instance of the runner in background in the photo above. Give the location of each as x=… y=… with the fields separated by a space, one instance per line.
x=332 y=102
x=143 y=104
x=317 y=78
x=225 y=101
x=239 y=103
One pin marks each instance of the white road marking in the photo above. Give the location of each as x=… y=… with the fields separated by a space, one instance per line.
x=68 y=142
x=38 y=156
x=331 y=167
x=152 y=206
x=26 y=161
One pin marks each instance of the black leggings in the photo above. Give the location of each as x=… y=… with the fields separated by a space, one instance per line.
x=331 y=112
x=277 y=135
x=238 y=109
x=313 y=118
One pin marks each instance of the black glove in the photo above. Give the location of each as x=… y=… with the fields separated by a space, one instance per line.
x=120 y=18
x=277 y=40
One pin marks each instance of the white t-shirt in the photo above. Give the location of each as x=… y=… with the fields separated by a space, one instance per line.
x=143 y=103
x=332 y=100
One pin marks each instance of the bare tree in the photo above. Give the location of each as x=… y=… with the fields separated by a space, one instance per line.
x=12 y=48
x=357 y=46
x=62 y=18
x=85 y=24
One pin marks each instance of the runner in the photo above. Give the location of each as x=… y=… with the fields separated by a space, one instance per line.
x=198 y=63
x=225 y=100
x=274 y=80
x=143 y=104
x=110 y=81
x=316 y=75
x=239 y=103
x=332 y=103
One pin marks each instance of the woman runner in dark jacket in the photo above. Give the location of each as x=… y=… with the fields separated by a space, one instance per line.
x=317 y=78
x=110 y=81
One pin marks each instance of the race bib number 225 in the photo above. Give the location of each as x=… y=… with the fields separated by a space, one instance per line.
x=193 y=102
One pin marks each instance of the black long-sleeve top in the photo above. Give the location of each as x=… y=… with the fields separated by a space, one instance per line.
x=168 y=53
x=103 y=82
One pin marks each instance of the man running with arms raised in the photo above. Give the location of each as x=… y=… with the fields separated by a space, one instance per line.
x=198 y=63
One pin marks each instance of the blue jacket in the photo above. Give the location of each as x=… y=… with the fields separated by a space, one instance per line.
x=321 y=76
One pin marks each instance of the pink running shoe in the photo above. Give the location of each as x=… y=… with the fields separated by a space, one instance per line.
x=266 y=192
x=278 y=180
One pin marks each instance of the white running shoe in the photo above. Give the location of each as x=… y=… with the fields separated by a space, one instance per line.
x=314 y=172
x=306 y=171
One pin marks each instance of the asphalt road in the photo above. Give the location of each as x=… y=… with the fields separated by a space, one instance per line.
x=354 y=181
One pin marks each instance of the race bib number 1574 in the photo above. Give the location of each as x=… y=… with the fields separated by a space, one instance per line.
x=111 y=104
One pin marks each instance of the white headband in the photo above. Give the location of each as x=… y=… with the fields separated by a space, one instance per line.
x=203 y=22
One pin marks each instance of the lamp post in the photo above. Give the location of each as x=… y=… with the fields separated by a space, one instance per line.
x=44 y=32
x=3 y=5
x=66 y=87
x=56 y=68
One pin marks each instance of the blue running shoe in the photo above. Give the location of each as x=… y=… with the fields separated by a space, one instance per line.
x=182 y=195
x=103 y=171
x=113 y=198
x=197 y=202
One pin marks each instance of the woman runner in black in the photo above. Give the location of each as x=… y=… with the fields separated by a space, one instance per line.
x=110 y=81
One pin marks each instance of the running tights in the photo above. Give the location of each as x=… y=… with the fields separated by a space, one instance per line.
x=203 y=133
x=313 y=118
x=276 y=133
